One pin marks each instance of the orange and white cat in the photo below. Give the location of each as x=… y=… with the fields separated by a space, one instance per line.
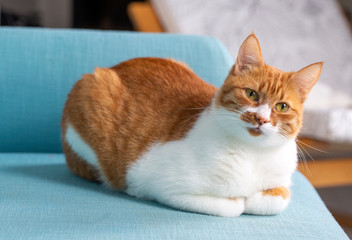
x=152 y=128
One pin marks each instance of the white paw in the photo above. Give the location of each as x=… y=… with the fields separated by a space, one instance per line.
x=230 y=208
x=260 y=204
x=210 y=205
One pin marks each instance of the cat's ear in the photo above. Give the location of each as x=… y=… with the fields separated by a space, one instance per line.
x=249 y=55
x=306 y=78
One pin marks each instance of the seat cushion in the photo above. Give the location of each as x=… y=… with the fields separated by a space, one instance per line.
x=38 y=68
x=41 y=199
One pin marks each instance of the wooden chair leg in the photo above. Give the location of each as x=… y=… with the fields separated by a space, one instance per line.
x=143 y=17
x=342 y=219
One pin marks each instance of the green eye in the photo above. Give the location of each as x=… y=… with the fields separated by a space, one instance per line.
x=282 y=107
x=252 y=95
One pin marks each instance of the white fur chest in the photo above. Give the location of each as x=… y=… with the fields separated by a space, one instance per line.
x=206 y=163
x=243 y=171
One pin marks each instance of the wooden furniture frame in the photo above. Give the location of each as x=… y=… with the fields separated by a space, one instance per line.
x=143 y=17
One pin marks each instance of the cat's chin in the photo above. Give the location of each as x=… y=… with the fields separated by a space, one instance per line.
x=259 y=137
x=255 y=132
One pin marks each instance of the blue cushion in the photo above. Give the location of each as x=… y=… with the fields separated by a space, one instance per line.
x=38 y=67
x=41 y=199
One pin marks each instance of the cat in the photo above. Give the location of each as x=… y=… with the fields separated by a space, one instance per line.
x=153 y=129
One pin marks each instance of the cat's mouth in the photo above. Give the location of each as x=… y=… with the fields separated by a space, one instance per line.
x=255 y=132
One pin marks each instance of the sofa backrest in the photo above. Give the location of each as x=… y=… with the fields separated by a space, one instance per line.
x=38 y=67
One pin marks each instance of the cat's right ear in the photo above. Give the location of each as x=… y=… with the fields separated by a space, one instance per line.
x=249 y=55
x=306 y=78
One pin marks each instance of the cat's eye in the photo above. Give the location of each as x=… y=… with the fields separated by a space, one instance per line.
x=282 y=107
x=252 y=95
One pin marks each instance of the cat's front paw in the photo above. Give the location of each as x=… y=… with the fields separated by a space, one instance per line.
x=268 y=202
x=211 y=205
x=235 y=208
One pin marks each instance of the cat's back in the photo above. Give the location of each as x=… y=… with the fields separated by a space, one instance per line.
x=163 y=92
x=120 y=112
x=165 y=81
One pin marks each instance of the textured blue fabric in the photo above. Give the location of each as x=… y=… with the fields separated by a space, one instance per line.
x=41 y=199
x=38 y=67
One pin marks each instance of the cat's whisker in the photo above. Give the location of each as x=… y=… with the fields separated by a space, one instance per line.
x=304 y=160
x=305 y=151
x=190 y=118
x=283 y=133
x=306 y=144
x=200 y=108
x=232 y=118
x=303 y=143
x=300 y=152
x=227 y=118
x=234 y=110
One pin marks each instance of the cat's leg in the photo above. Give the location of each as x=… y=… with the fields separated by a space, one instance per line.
x=268 y=202
x=211 y=205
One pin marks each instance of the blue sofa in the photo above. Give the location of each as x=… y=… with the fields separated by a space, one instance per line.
x=41 y=199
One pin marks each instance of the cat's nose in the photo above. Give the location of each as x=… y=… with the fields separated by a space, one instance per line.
x=261 y=120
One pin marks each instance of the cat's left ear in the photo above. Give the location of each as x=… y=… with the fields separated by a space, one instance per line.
x=306 y=78
x=249 y=55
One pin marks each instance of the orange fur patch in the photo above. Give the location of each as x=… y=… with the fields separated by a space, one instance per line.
x=277 y=192
x=254 y=132
x=121 y=111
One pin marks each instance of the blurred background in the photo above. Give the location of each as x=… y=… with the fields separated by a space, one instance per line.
x=105 y=14
x=292 y=34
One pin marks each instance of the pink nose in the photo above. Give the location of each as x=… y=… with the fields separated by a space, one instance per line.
x=261 y=120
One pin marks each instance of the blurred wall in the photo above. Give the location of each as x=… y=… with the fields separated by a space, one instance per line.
x=50 y=13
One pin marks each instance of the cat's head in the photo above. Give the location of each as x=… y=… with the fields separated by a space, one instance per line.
x=261 y=103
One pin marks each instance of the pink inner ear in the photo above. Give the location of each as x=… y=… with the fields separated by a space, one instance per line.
x=306 y=78
x=249 y=55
